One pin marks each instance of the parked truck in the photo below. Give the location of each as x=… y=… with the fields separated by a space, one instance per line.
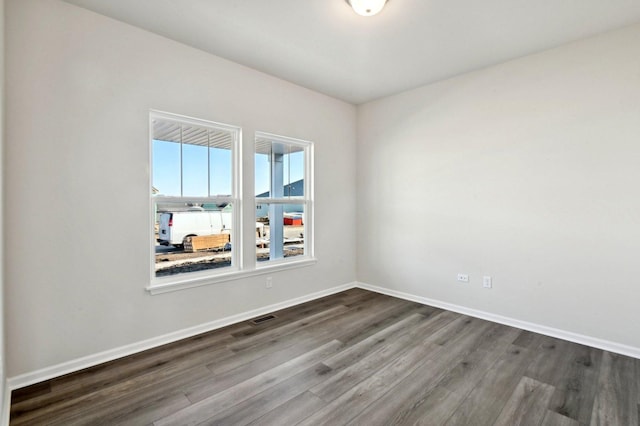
x=175 y=227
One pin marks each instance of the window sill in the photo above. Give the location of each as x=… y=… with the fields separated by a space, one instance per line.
x=169 y=285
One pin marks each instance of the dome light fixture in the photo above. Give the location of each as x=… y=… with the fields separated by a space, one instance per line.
x=367 y=7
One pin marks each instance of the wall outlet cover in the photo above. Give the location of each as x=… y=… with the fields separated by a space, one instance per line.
x=486 y=282
x=463 y=278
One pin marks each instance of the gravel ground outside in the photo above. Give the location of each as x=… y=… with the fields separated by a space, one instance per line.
x=178 y=262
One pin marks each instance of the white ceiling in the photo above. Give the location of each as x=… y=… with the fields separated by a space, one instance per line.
x=325 y=46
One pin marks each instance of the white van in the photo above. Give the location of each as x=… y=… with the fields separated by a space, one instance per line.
x=175 y=227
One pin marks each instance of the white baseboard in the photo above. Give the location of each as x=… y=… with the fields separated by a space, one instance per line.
x=536 y=328
x=109 y=355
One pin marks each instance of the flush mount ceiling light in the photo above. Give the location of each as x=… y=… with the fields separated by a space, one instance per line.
x=367 y=7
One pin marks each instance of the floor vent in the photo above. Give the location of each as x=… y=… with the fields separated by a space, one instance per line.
x=263 y=319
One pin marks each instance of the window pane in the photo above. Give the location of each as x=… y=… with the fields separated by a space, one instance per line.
x=279 y=231
x=166 y=168
x=220 y=162
x=192 y=237
x=263 y=173
x=294 y=186
x=279 y=169
x=191 y=160
x=195 y=165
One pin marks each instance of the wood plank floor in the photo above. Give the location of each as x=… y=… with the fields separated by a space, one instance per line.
x=353 y=358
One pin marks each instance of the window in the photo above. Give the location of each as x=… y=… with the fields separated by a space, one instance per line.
x=195 y=196
x=196 y=203
x=284 y=210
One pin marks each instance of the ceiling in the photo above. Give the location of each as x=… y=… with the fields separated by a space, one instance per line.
x=323 y=45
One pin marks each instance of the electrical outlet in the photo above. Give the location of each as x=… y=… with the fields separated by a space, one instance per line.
x=269 y=282
x=486 y=281
x=463 y=278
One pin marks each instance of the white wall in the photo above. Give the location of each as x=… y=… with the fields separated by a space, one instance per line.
x=3 y=416
x=79 y=90
x=526 y=171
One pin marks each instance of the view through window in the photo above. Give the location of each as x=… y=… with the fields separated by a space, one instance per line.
x=283 y=197
x=194 y=195
x=196 y=201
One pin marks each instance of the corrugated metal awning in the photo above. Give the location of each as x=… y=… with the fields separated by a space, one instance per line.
x=267 y=146
x=171 y=131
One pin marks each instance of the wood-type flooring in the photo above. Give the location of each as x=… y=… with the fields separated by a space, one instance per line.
x=352 y=358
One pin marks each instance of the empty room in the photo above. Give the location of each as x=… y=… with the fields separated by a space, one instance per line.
x=320 y=212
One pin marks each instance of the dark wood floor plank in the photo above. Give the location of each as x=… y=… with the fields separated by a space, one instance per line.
x=349 y=298
x=286 y=317
x=121 y=371
x=367 y=366
x=316 y=334
x=274 y=347
x=213 y=383
x=353 y=353
x=616 y=400
x=291 y=412
x=473 y=367
x=450 y=334
x=352 y=402
x=422 y=328
x=436 y=406
x=378 y=407
x=552 y=418
x=530 y=340
x=210 y=406
x=30 y=392
x=483 y=404
x=156 y=369
x=466 y=374
x=407 y=401
x=292 y=326
x=577 y=384
x=321 y=333
x=554 y=357
x=108 y=402
x=361 y=368
x=255 y=407
x=373 y=321
x=142 y=361
x=353 y=335
x=527 y=405
x=193 y=352
x=138 y=413
x=458 y=384
x=498 y=335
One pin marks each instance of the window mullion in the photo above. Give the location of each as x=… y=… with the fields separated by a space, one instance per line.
x=209 y=163
x=181 y=165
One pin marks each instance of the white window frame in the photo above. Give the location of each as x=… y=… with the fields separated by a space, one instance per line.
x=191 y=279
x=306 y=201
x=240 y=266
